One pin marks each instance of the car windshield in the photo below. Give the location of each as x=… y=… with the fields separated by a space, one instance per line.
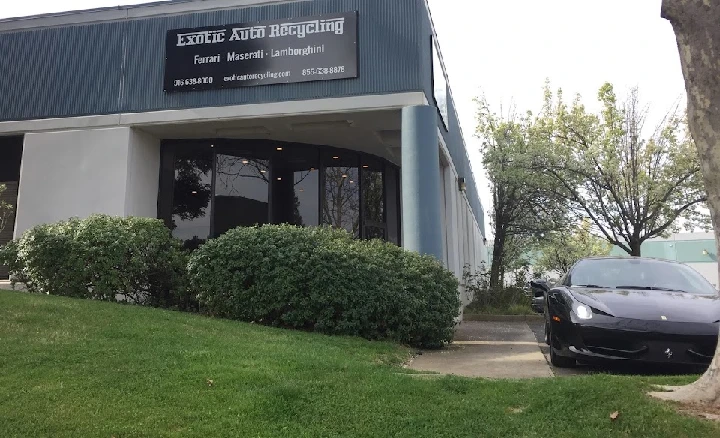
x=641 y=274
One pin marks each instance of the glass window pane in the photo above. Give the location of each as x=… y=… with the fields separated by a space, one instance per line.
x=341 y=195
x=11 y=149
x=241 y=192
x=305 y=205
x=373 y=193
x=296 y=182
x=372 y=232
x=191 y=195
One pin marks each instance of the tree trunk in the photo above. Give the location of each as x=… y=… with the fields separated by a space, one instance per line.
x=635 y=247
x=695 y=23
x=497 y=261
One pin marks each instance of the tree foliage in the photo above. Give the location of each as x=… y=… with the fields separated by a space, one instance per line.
x=525 y=202
x=630 y=187
x=559 y=251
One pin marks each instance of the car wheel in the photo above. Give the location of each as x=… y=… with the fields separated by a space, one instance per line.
x=547 y=332
x=555 y=359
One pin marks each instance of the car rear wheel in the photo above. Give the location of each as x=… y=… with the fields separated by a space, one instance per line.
x=555 y=359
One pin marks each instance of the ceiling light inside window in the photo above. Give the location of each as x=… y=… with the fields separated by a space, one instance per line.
x=279 y=148
x=245 y=161
x=344 y=176
x=194 y=192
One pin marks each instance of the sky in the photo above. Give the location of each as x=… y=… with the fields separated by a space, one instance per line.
x=506 y=49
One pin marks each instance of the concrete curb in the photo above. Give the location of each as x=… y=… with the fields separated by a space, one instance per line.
x=502 y=318
x=6 y=285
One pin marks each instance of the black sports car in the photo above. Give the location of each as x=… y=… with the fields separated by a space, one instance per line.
x=631 y=309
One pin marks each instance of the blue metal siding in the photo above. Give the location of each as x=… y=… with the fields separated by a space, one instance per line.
x=62 y=71
x=107 y=68
x=453 y=136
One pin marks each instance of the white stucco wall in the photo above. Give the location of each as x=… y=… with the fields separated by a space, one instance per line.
x=463 y=238
x=143 y=175
x=77 y=173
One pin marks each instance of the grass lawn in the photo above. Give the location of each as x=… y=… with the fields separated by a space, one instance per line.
x=73 y=368
x=514 y=309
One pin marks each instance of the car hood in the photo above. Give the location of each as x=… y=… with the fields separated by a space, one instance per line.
x=652 y=304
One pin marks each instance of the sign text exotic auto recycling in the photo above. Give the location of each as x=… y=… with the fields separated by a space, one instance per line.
x=261 y=53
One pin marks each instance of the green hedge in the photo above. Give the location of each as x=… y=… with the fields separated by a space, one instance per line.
x=321 y=279
x=104 y=258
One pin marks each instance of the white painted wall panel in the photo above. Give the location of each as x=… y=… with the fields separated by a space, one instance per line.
x=143 y=175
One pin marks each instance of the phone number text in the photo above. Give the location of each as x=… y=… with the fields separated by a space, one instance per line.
x=193 y=81
x=323 y=70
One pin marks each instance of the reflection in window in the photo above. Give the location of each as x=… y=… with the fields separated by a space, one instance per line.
x=208 y=188
x=305 y=204
x=191 y=196
x=373 y=203
x=296 y=182
x=241 y=192
x=341 y=206
x=11 y=149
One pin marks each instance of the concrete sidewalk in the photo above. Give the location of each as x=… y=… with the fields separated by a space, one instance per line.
x=488 y=349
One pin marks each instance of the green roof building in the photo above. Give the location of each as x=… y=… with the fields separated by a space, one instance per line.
x=697 y=250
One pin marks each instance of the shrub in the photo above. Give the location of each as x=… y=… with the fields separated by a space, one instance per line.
x=321 y=279
x=9 y=258
x=105 y=258
x=510 y=300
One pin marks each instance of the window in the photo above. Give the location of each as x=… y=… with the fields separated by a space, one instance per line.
x=191 y=195
x=647 y=274
x=241 y=191
x=209 y=187
x=373 y=199
x=341 y=191
x=11 y=149
x=296 y=182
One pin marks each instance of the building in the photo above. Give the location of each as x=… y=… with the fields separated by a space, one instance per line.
x=696 y=250
x=219 y=113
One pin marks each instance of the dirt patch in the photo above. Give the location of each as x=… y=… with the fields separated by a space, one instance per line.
x=707 y=412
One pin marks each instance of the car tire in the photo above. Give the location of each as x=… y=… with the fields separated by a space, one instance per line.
x=557 y=360
x=547 y=332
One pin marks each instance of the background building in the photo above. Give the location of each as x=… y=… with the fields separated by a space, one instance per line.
x=218 y=113
x=696 y=250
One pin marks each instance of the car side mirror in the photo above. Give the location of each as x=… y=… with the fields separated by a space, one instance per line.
x=539 y=287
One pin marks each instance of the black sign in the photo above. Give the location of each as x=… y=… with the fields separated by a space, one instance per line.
x=268 y=52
